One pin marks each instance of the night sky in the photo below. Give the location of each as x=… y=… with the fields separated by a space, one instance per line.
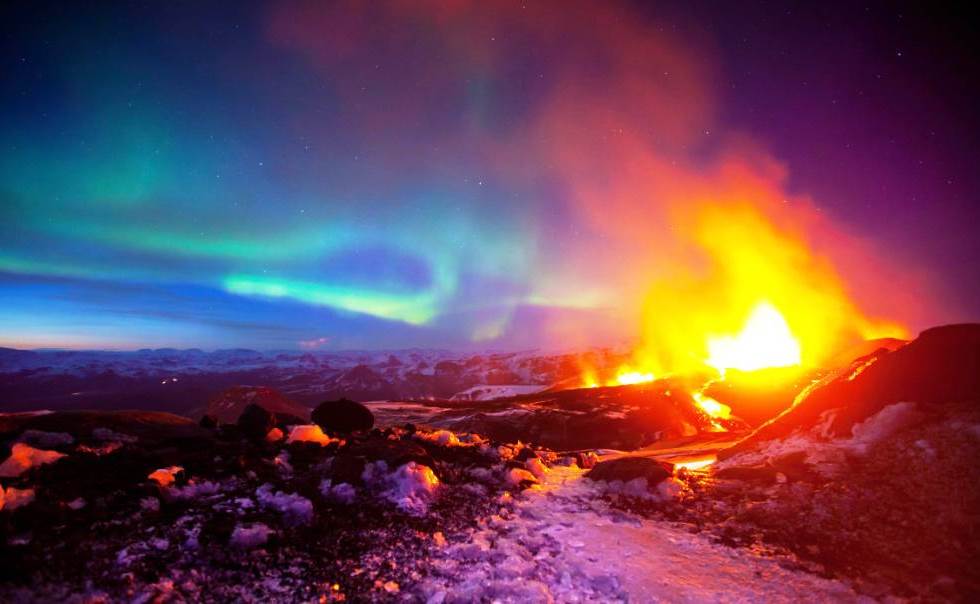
x=463 y=175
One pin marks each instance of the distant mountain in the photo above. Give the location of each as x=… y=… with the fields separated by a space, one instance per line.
x=185 y=381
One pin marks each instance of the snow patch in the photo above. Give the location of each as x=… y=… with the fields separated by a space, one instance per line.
x=340 y=493
x=440 y=437
x=825 y=454
x=310 y=433
x=561 y=542
x=294 y=508
x=192 y=490
x=411 y=487
x=24 y=457
x=11 y=498
x=250 y=536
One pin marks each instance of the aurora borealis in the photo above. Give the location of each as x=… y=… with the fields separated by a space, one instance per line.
x=453 y=174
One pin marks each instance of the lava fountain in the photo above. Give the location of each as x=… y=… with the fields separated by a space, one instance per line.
x=765 y=341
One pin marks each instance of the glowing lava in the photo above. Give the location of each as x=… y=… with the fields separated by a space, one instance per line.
x=765 y=341
x=627 y=376
x=712 y=407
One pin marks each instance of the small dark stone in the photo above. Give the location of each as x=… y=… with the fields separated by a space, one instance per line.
x=209 y=422
x=255 y=422
x=343 y=416
x=409 y=429
x=525 y=454
x=631 y=468
x=748 y=473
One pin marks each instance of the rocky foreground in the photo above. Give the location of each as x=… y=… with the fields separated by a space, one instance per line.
x=865 y=488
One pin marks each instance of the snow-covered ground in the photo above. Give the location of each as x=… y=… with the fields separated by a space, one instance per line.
x=485 y=392
x=560 y=541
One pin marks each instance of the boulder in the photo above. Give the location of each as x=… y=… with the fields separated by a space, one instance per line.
x=151 y=427
x=343 y=416
x=229 y=405
x=255 y=422
x=631 y=468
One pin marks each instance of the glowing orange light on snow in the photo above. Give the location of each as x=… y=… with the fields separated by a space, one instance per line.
x=694 y=464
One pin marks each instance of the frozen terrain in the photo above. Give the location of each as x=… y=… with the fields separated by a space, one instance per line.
x=560 y=541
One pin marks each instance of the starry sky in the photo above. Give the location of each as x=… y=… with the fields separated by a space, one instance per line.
x=337 y=175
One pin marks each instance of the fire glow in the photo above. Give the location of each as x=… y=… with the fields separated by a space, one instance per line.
x=765 y=341
x=749 y=292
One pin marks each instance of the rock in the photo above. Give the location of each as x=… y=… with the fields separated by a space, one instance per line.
x=586 y=459
x=255 y=422
x=349 y=464
x=525 y=454
x=285 y=420
x=343 y=416
x=631 y=468
x=46 y=440
x=150 y=427
x=622 y=417
x=748 y=473
x=392 y=452
x=347 y=468
x=208 y=422
x=230 y=404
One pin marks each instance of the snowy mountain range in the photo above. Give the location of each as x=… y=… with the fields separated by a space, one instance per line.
x=183 y=380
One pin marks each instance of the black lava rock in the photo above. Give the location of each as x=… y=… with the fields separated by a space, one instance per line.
x=255 y=422
x=525 y=454
x=630 y=468
x=343 y=416
x=285 y=420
